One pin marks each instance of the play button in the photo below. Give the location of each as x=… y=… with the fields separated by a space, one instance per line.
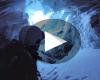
x=52 y=41
x=61 y=43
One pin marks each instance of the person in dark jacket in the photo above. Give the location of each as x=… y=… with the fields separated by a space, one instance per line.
x=18 y=58
x=31 y=36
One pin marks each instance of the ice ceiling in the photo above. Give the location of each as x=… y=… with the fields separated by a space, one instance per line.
x=77 y=14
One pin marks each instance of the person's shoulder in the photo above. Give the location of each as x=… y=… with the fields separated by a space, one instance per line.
x=14 y=47
x=14 y=44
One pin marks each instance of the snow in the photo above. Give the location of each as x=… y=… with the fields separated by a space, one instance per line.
x=84 y=66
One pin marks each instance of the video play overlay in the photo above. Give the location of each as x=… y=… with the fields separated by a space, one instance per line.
x=62 y=41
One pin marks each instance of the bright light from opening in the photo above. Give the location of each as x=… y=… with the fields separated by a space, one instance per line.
x=39 y=16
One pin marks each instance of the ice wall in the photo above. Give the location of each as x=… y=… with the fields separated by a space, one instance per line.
x=41 y=10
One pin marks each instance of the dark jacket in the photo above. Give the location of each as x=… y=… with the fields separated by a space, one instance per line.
x=16 y=63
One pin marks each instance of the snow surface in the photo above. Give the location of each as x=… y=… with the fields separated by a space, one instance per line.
x=84 y=66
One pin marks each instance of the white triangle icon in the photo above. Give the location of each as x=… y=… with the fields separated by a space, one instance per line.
x=52 y=41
